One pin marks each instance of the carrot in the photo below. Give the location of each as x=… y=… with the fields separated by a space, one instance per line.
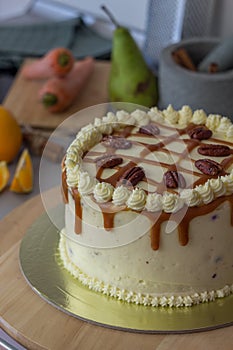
x=58 y=94
x=57 y=62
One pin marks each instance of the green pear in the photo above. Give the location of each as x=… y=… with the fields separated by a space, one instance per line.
x=130 y=80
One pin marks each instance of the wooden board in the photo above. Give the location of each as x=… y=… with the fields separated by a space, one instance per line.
x=22 y=98
x=38 y=325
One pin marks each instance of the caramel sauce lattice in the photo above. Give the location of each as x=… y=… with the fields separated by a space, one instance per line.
x=169 y=149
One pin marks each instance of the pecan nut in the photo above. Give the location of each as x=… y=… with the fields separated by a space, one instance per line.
x=200 y=133
x=116 y=142
x=108 y=161
x=174 y=179
x=132 y=176
x=149 y=129
x=208 y=166
x=214 y=150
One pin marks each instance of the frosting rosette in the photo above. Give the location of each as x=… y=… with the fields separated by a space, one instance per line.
x=137 y=199
x=72 y=176
x=191 y=197
x=120 y=195
x=218 y=187
x=199 y=117
x=213 y=121
x=125 y=118
x=103 y=192
x=206 y=192
x=141 y=117
x=156 y=115
x=103 y=127
x=154 y=202
x=171 y=115
x=172 y=202
x=185 y=115
x=86 y=183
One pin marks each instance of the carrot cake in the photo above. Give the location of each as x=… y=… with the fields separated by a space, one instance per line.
x=149 y=206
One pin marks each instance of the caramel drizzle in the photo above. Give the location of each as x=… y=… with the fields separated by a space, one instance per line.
x=109 y=214
x=78 y=211
x=182 y=219
x=184 y=215
x=64 y=187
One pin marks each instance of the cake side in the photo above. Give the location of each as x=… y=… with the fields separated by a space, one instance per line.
x=188 y=296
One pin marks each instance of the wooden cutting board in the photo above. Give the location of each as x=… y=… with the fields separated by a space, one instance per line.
x=22 y=98
x=38 y=325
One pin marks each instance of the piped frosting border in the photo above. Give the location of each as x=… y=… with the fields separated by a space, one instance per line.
x=137 y=199
x=139 y=298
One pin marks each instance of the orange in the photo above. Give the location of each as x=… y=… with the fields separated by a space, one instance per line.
x=4 y=175
x=23 y=178
x=10 y=135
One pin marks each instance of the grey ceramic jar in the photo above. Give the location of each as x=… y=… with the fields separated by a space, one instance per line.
x=179 y=86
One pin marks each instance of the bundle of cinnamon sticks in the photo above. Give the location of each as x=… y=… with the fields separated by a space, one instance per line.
x=182 y=58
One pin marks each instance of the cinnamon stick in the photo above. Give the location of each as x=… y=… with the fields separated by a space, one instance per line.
x=182 y=58
x=213 y=68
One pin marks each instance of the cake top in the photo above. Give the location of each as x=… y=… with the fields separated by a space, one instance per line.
x=154 y=160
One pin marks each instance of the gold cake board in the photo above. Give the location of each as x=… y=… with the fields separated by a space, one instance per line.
x=36 y=323
x=40 y=264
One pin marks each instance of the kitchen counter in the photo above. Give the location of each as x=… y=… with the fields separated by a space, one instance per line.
x=38 y=325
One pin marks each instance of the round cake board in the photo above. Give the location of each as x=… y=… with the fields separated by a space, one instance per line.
x=42 y=268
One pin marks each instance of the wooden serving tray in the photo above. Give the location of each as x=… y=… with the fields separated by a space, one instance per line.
x=22 y=98
x=36 y=324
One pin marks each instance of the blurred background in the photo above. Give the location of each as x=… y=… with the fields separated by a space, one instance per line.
x=84 y=27
x=154 y=23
